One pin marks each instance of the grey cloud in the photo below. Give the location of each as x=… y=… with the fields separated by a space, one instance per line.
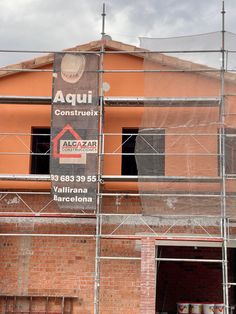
x=58 y=24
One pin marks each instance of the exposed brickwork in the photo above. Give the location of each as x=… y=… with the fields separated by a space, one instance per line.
x=48 y=266
x=120 y=279
x=148 y=281
x=65 y=266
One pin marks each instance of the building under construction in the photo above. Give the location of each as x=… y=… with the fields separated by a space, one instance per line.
x=117 y=174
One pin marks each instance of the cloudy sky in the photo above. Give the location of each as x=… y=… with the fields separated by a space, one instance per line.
x=58 y=24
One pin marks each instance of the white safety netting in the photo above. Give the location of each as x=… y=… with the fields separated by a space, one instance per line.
x=181 y=151
x=203 y=49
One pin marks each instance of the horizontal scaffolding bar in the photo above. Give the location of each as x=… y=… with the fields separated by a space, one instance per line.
x=117 y=237
x=25 y=134
x=163 y=238
x=165 y=100
x=194 y=260
x=117 y=178
x=26 y=192
x=136 y=51
x=25 y=177
x=24 y=154
x=122 y=101
x=138 y=154
x=48 y=51
x=116 y=154
x=10 y=69
x=141 y=132
x=204 y=70
x=175 y=216
x=162 y=51
x=111 y=178
x=159 y=178
x=88 y=215
x=41 y=100
x=47 y=235
x=35 y=296
x=46 y=215
x=120 y=194
x=141 y=194
x=161 y=102
x=163 y=259
x=119 y=258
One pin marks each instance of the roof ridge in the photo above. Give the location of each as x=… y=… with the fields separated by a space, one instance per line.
x=48 y=58
x=161 y=58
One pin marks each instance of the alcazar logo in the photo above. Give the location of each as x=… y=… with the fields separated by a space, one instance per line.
x=72 y=150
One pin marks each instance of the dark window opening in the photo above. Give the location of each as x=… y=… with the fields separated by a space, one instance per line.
x=129 y=166
x=150 y=149
x=173 y=278
x=41 y=149
x=149 y=146
x=230 y=151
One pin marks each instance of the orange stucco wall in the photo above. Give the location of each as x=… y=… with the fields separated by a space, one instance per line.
x=21 y=118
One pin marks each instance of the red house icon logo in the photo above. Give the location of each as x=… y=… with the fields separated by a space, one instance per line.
x=56 y=152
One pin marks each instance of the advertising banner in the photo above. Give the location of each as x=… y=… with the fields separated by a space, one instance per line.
x=74 y=130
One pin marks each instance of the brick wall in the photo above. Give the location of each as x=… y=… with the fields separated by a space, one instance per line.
x=148 y=281
x=64 y=266
x=58 y=266
x=48 y=266
x=120 y=279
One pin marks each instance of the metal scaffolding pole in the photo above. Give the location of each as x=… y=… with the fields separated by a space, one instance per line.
x=125 y=101
x=100 y=156
x=122 y=178
x=140 y=51
x=119 y=237
x=223 y=170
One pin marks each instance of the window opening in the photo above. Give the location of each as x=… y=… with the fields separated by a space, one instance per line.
x=40 y=145
x=129 y=166
x=151 y=142
x=230 y=151
x=150 y=152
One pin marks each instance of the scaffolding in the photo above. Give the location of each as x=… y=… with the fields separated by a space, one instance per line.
x=147 y=217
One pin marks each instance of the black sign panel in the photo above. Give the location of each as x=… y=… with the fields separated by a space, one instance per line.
x=74 y=134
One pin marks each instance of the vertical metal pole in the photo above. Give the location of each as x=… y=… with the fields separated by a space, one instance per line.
x=6 y=305
x=14 y=304
x=222 y=170
x=46 y=306
x=103 y=19
x=30 y=305
x=100 y=154
x=62 y=305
